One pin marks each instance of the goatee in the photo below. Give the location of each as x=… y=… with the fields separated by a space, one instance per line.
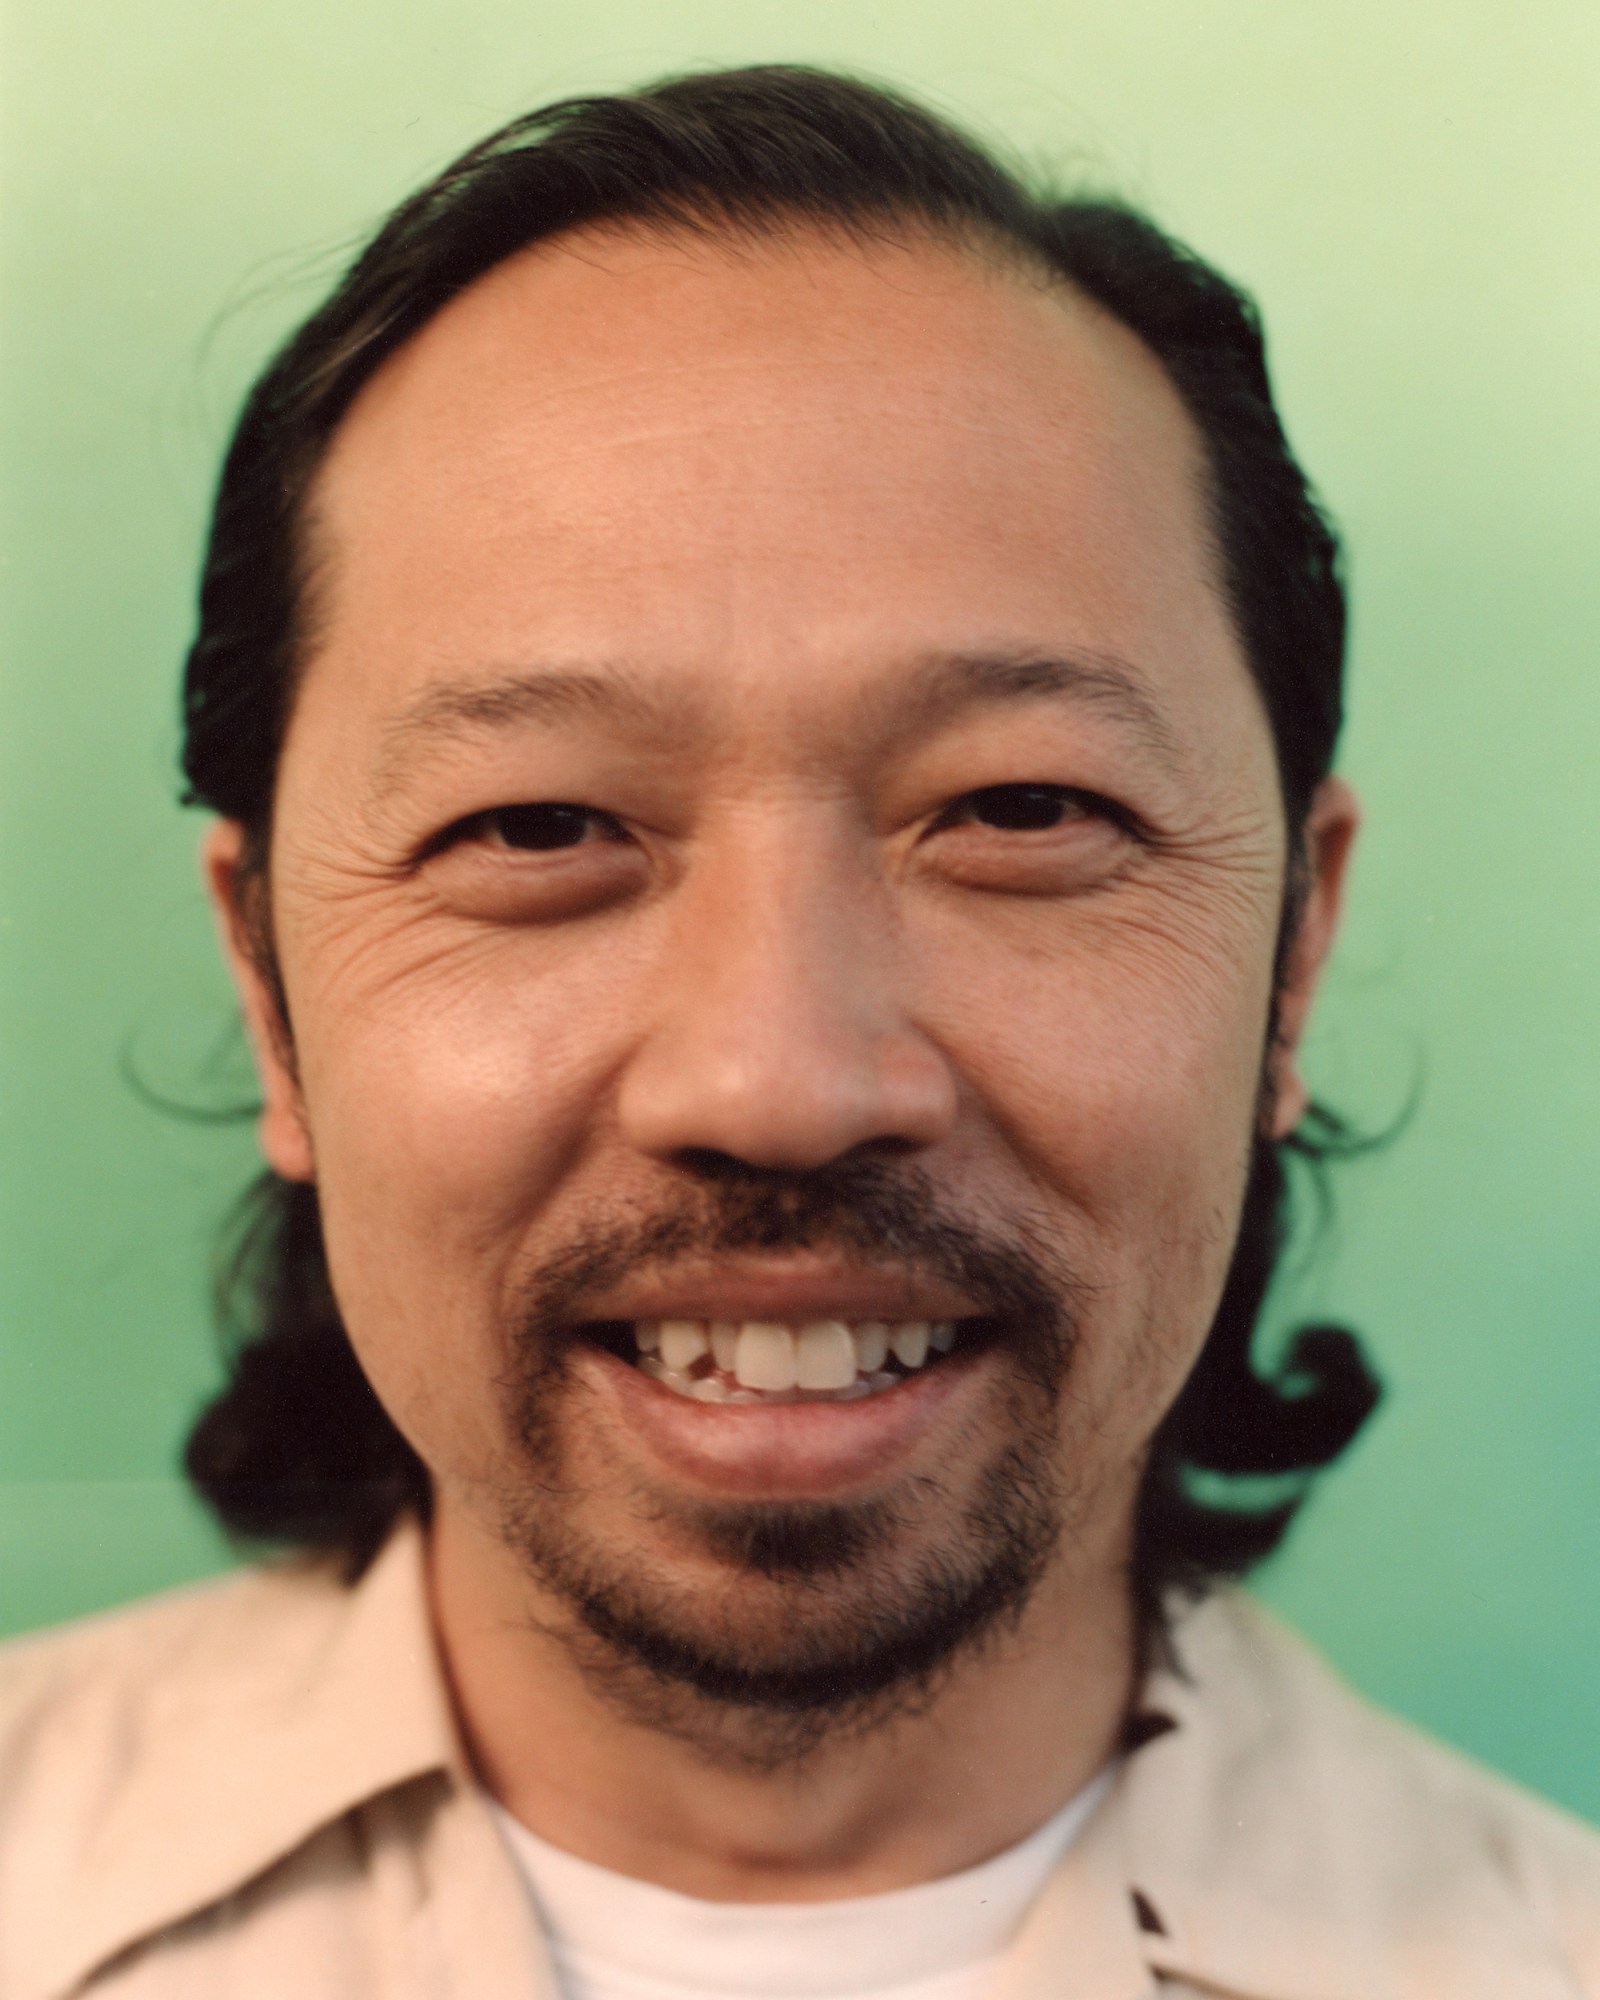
x=825 y=1617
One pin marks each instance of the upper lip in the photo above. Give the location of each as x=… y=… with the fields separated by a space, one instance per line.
x=783 y=1291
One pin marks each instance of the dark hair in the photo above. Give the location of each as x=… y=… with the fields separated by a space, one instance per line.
x=297 y=1448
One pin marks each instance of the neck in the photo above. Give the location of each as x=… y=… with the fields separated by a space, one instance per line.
x=1009 y=1733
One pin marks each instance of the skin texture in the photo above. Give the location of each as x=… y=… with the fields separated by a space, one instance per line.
x=754 y=551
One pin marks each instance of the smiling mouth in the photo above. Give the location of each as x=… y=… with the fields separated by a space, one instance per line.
x=754 y=1362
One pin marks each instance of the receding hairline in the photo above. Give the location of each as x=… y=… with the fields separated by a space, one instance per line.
x=748 y=239
x=958 y=241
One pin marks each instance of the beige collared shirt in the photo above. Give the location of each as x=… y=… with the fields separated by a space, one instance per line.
x=253 y=1790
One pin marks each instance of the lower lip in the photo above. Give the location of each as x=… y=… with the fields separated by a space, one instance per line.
x=787 y=1450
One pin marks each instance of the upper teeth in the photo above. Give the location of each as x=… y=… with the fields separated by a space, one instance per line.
x=772 y=1356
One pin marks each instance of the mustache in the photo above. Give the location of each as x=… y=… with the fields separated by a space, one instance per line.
x=883 y=1211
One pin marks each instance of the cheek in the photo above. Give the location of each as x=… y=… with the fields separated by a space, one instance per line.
x=459 y=1073
x=1116 y=1047
x=447 y=1098
x=1124 y=1079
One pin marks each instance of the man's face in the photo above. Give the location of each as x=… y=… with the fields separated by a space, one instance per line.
x=776 y=830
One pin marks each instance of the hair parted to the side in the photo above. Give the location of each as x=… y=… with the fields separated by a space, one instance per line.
x=296 y=1448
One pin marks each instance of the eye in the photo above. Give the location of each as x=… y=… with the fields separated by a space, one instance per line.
x=533 y=863
x=1034 y=840
x=542 y=828
x=1020 y=808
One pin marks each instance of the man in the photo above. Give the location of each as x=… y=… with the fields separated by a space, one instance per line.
x=769 y=699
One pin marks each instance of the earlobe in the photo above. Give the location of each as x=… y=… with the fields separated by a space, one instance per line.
x=1330 y=831
x=282 y=1129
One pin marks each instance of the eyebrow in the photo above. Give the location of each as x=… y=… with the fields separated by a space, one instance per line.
x=451 y=710
x=941 y=685
x=930 y=692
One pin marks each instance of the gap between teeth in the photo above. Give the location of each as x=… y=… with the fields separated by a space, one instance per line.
x=719 y=1361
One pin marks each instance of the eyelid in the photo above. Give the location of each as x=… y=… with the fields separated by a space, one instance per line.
x=477 y=826
x=1095 y=805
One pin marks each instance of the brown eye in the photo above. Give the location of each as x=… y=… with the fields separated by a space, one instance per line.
x=1022 y=808
x=542 y=828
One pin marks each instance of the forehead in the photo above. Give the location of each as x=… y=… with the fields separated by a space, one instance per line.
x=769 y=465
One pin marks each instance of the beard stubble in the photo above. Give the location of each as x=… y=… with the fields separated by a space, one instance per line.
x=822 y=1618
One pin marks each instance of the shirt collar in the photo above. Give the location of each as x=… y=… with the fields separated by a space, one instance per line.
x=1283 y=1840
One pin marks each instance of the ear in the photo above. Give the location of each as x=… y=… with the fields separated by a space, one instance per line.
x=1329 y=831
x=282 y=1129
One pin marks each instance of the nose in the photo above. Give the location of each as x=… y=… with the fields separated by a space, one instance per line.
x=779 y=1034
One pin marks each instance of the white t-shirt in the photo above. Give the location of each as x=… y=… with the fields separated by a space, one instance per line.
x=613 y=1937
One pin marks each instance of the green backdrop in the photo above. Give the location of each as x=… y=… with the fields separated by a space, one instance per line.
x=1411 y=189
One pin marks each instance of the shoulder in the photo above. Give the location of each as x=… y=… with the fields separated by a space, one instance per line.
x=125 y=1669
x=92 y=1712
x=1383 y=1773
x=1345 y=1823
x=83 y=1705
